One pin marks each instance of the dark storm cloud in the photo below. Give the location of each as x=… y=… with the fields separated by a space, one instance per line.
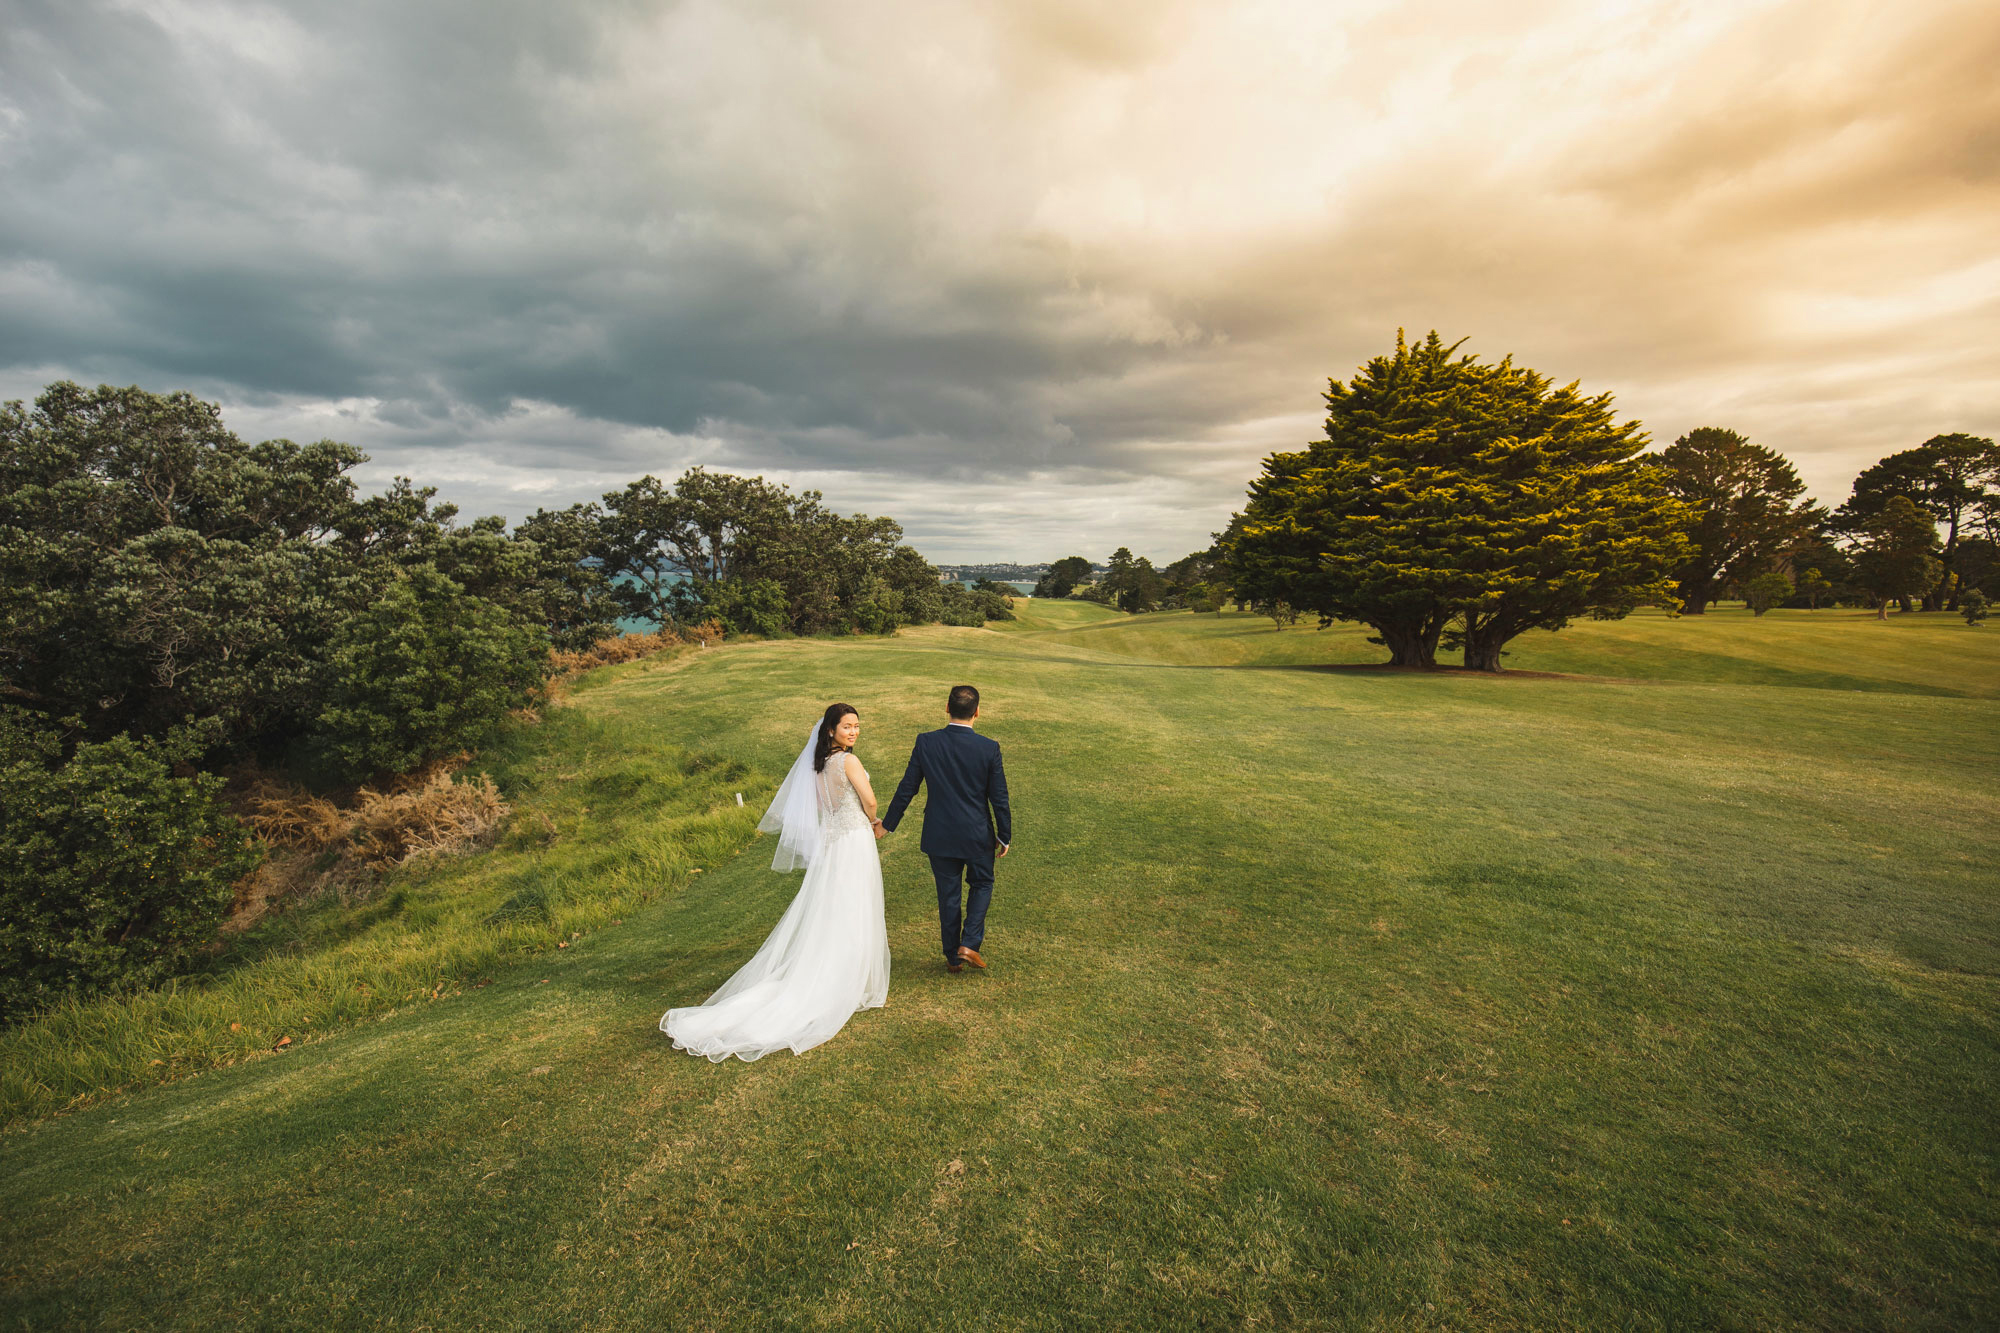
x=1008 y=271
x=421 y=212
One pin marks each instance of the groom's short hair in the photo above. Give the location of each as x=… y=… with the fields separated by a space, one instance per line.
x=962 y=703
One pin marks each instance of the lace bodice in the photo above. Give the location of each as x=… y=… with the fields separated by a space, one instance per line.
x=839 y=804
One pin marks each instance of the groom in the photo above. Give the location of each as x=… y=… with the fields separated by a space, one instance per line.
x=963 y=768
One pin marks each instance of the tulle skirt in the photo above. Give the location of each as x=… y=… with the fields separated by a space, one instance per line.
x=827 y=958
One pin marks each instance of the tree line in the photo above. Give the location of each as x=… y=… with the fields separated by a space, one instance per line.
x=1754 y=537
x=174 y=601
x=1454 y=505
x=759 y=559
x=1195 y=582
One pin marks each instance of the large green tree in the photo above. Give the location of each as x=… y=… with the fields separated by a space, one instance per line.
x=1748 y=514
x=1453 y=501
x=155 y=567
x=1897 y=558
x=1954 y=478
x=827 y=563
x=568 y=588
x=425 y=670
x=1062 y=577
x=1198 y=580
x=1132 y=584
x=692 y=550
x=657 y=536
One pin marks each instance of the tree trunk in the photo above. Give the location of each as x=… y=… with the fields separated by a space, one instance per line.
x=1410 y=647
x=1944 y=596
x=1902 y=604
x=1483 y=645
x=1482 y=654
x=1882 y=611
x=1696 y=589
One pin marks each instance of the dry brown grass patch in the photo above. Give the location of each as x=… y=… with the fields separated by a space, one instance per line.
x=629 y=648
x=319 y=844
x=565 y=666
x=285 y=815
x=438 y=817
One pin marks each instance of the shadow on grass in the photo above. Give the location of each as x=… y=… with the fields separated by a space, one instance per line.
x=1746 y=673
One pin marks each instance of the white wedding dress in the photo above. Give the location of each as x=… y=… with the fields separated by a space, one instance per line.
x=827 y=958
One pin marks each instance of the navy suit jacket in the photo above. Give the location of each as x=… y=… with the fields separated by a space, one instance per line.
x=963 y=768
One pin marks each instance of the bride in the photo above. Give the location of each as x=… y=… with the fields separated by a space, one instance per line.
x=829 y=954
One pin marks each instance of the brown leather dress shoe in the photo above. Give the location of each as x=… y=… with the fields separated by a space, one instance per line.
x=971 y=956
x=954 y=967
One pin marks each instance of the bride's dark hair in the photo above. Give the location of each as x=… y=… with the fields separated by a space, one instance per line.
x=824 y=746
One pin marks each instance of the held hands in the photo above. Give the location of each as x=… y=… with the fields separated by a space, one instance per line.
x=876 y=824
x=1000 y=848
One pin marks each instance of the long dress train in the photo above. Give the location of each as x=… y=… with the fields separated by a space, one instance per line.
x=827 y=957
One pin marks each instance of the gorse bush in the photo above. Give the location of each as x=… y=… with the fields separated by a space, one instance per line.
x=113 y=870
x=424 y=672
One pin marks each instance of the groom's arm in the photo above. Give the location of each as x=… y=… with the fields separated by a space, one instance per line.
x=906 y=791
x=996 y=796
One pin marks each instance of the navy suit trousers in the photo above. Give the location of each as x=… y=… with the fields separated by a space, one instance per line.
x=977 y=874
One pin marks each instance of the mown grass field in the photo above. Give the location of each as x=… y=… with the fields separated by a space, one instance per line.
x=1663 y=998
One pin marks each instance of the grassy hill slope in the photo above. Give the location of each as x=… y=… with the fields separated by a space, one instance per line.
x=1326 y=998
x=1833 y=649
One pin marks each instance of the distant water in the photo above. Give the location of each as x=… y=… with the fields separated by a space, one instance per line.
x=639 y=624
x=1023 y=588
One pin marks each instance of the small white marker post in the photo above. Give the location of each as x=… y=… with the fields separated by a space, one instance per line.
x=739 y=798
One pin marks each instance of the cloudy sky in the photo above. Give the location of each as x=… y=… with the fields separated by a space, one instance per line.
x=1032 y=276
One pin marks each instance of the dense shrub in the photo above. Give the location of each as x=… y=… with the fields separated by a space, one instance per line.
x=972 y=607
x=996 y=600
x=113 y=871
x=747 y=606
x=878 y=608
x=154 y=567
x=922 y=602
x=1767 y=590
x=426 y=671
